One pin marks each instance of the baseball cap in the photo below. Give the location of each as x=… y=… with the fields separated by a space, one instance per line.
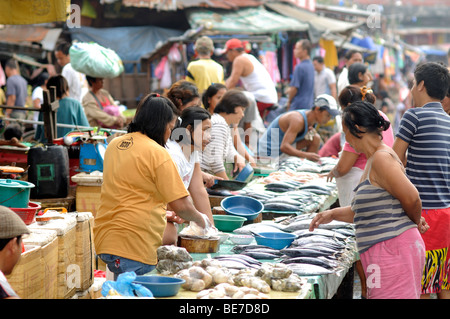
x=204 y=43
x=327 y=102
x=11 y=225
x=233 y=44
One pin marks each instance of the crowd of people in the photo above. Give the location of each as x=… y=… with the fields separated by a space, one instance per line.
x=393 y=181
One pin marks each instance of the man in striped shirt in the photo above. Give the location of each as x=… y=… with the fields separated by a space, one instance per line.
x=423 y=144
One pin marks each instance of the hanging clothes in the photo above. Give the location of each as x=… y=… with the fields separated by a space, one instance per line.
x=331 y=57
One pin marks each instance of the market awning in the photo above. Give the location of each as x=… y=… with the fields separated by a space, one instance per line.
x=33 y=41
x=244 y=21
x=320 y=23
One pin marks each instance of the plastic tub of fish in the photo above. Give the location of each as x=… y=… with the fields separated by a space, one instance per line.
x=243 y=206
x=276 y=240
x=228 y=223
x=241 y=239
x=160 y=286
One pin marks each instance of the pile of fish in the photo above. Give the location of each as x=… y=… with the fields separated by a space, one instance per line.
x=324 y=165
x=326 y=250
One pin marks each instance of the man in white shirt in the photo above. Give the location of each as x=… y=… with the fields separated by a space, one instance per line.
x=324 y=79
x=76 y=80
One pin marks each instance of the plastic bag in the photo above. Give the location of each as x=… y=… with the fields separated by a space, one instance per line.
x=196 y=230
x=125 y=287
x=94 y=60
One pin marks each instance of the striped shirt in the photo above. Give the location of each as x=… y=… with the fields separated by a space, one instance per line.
x=427 y=131
x=379 y=216
x=220 y=149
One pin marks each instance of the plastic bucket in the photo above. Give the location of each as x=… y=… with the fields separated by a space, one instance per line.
x=15 y=193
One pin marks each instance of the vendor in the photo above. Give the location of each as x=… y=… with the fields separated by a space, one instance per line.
x=228 y=112
x=99 y=106
x=293 y=133
x=188 y=140
x=139 y=180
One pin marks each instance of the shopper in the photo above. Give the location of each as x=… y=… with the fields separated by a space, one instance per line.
x=16 y=91
x=12 y=228
x=352 y=56
x=301 y=88
x=386 y=211
x=184 y=94
x=204 y=71
x=359 y=75
x=139 y=180
x=422 y=144
x=212 y=96
x=252 y=73
x=70 y=111
x=324 y=78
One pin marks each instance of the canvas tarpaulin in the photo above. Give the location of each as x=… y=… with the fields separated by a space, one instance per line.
x=244 y=21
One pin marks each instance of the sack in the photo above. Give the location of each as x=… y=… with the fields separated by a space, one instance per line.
x=95 y=61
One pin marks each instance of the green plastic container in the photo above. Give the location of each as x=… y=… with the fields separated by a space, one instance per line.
x=14 y=193
x=228 y=223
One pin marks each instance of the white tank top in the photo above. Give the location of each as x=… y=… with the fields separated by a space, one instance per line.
x=259 y=82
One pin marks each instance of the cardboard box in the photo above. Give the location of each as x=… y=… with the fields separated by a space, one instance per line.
x=88 y=199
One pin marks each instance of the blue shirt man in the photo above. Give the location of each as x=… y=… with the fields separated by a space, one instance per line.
x=301 y=90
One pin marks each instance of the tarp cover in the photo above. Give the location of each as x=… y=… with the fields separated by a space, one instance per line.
x=32 y=11
x=130 y=43
x=243 y=21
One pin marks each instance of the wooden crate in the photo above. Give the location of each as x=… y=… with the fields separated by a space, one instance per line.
x=84 y=249
x=27 y=277
x=88 y=199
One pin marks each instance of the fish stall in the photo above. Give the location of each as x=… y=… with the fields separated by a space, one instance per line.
x=311 y=265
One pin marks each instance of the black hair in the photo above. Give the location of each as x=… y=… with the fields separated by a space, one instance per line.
x=64 y=47
x=306 y=45
x=319 y=59
x=12 y=64
x=354 y=70
x=190 y=116
x=364 y=114
x=350 y=53
x=41 y=78
x=11 y=131
x=90 y=79
x=60 y=84
x=353 y=93
x=182 y=92
x=153 y=114
x=5 y=241
x=210 y=92
x=435 y=77
x=230 y=100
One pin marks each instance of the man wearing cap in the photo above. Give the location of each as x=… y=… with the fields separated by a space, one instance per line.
x=12 y=228
x=253 y=75
x=204 y=71
x=293 y=134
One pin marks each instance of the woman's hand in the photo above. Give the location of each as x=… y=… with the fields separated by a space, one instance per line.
x=209 y=180
x=423 y=225
x=324 y=217
x=173 y=217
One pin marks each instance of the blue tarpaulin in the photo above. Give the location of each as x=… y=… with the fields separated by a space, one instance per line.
x=130 y=43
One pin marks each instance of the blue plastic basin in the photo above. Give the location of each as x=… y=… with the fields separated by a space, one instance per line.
x=160 y=286
x=243 y=206
x=275 y=240
x=245 y=174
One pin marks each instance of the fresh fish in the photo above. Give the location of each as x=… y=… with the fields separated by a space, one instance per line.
x=240 y=248
x=244 y=260
x=305 y=252
x=311 y=261
x=284 y=200
x=259 y=255
x=322 y=232
x=308 y=270
x=278 y=206
x=258 y=228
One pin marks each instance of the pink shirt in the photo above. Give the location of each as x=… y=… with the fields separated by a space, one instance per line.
x=388 y=139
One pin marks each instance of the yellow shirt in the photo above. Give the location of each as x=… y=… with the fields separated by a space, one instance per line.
x=203 y=73
x=139 y=179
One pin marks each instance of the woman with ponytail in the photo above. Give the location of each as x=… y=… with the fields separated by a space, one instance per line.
x=139 y=180
x=386 y=211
